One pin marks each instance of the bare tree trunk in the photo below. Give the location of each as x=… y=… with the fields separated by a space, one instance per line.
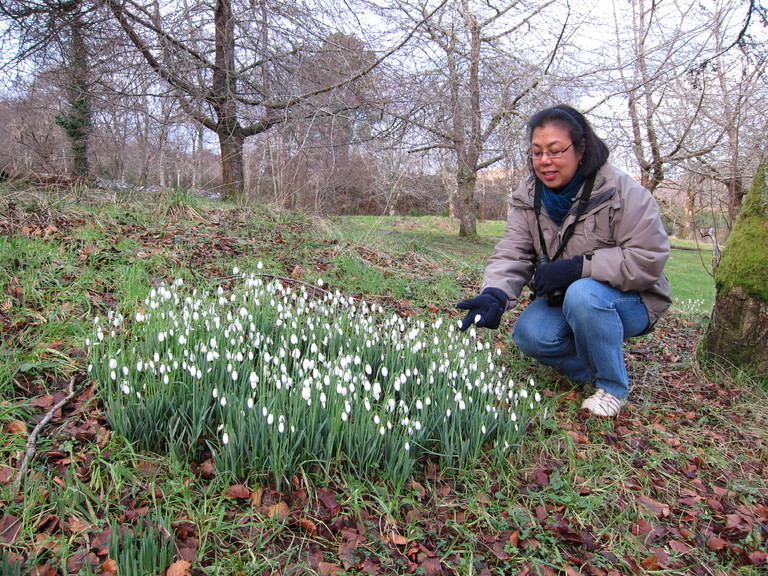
x=228 y=128
x=466 y=179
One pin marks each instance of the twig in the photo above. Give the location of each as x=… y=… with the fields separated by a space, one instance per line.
x=32 y=440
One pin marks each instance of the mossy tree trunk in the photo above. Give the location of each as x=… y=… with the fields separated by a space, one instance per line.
x=738 y=331
x=76 y=122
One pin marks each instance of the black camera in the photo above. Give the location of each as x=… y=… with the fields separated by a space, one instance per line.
x=556 y=297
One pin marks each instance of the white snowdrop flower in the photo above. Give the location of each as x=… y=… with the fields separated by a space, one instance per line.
x=160 y=336
x=462 y=405
x=448 y=413
x=417 y=425
x=125 y=370
x=112 y=363
x=384 y=372
x=249 y=403
x=234 y=375
x=223 y=401
x=113 y=375
x=368 y=369
x=156 y=357
x=514 y=417
x=407 y=446
x=264 y=411
x=199 y=374
x=320 y=282
x=344 y=416
x=215 y=392
x=259 y=265
x=537 y=397
x=125 y=388
x=235 y=270
x=100 y=336
x=270 y=419
x=323 y=398
x=482 y=429
x=428 y=401
x=166 y=379
x=382 y=430
x=281 y=427
x=391 y=405
x=376 y=419
x=225 y=438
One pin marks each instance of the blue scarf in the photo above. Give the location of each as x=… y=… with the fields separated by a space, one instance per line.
x=559 y=202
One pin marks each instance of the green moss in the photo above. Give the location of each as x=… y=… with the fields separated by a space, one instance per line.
x=745 y=261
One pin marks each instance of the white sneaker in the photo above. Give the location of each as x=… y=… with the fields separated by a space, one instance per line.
x=603 y=403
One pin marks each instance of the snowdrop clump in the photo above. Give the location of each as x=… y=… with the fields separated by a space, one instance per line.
x=274 y=380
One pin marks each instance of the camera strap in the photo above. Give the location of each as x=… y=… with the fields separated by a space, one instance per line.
x=580 y=209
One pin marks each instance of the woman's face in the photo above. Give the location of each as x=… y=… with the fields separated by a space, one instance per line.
x=556 y=173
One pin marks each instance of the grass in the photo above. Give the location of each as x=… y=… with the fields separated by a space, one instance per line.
x=676 y=484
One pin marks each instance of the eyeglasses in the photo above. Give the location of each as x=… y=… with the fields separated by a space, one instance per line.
x=552 y=154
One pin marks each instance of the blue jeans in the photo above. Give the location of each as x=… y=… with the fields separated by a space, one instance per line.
x=584 y=338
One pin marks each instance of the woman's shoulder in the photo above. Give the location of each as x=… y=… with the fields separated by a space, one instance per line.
x=523 y=194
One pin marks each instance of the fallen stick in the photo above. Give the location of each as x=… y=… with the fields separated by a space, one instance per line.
x=32 y=440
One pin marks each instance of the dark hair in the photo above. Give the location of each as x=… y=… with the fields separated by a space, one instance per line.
x=595 y=150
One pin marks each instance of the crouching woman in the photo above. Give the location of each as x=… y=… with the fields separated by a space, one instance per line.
x=589 y=241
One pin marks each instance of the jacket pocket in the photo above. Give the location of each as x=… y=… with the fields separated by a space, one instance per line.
x=597 y=228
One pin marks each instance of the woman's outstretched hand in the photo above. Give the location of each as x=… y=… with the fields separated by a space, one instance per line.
x=485 y=310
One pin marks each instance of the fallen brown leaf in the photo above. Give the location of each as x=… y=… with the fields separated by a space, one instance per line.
x=651 y=563
x=308 y=526
x=279 y=510
x=237 y=491
x=179 y=568
x=15 y=427
x=9 y=528
x=716 y=543
x=328 y=569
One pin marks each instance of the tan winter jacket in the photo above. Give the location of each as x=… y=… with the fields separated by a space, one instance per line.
x=620 y=236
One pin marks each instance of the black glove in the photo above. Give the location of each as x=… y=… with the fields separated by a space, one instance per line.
x=557 y=275
x=489 y=305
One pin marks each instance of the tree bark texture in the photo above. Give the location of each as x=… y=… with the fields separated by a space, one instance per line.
x=738 y=331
